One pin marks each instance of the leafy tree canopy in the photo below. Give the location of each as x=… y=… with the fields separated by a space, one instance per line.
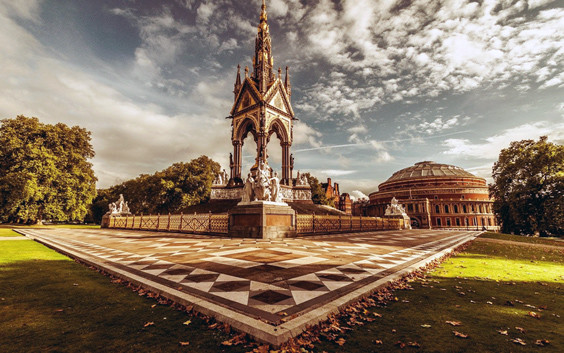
x=44 y=171
x=318 y=195
x=529 y=188
x=168 y=191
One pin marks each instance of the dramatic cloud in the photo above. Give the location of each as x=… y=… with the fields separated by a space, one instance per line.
x=377 y=85
x=491 y=146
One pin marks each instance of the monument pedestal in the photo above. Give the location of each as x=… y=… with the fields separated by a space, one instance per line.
x=263 y=220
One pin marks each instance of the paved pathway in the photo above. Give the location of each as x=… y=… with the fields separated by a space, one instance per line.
x=271 y=289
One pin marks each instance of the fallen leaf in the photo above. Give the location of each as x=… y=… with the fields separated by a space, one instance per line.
x=184 y=343
x=150 y=323
x=459 y=334
x=413 y=344
x=152 y=306
x=454 y=323
x=534 y=314
x=502 y=332
x=542 y=343
x=59 y=310
x=186 y=322
x=212 y=326
x=425 y=325
x=400 y=344
x=340 y=341
x=377 y=315
x=519 y=341
x=520 y=329
x=377 y=341
x=227 y=343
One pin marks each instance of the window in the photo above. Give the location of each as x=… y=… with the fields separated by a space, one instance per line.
x=438 y=222
x=410 y=207
x=437 y=209
x=446 y=209
x=462 y=197
x=436 y=197
x=458 y=222
x=455 y=208
x=464 y=208
x=448 y=222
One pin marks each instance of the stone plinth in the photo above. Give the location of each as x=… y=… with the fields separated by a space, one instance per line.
x=262 y=219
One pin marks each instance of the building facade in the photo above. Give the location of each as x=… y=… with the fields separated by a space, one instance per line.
x=435 y=196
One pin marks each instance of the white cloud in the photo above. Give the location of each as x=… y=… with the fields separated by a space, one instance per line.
x=491 y=146
x=337 y=172
x=305 y=134
x=438 y=125
x=357 y=195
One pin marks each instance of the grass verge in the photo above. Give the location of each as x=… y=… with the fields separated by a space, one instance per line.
x=491 y=290
x=50 y=303
x=524 y=239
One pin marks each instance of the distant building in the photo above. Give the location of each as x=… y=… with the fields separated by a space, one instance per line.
x=435 y=196
x=342 y=202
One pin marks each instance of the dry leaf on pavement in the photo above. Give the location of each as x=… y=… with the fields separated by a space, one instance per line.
x=186 y=322
x=150 y=323
x=542 y=343
x=519 y=341
x=459 y=334
x=184 y=343
x=454 y=323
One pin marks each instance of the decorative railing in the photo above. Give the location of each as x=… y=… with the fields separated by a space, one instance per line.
x=203 y=223
x=207 y=223
x=311 y=223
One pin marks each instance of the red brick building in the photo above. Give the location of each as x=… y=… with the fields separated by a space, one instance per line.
x=436 y=196
x=342 y=201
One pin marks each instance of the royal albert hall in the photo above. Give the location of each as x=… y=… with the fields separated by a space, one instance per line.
x=437 y=196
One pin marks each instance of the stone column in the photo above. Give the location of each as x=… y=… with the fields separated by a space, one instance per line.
x=286 y=162
x=237 y=158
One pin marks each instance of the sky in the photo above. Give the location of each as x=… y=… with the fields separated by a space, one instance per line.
x=376 y=85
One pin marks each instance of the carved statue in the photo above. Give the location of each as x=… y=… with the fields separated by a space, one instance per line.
x=248 y=189
x=264 y=187
x=394 y=209
x=118 y=207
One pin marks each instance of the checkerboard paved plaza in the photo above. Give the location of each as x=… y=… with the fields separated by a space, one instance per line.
x=268 y=288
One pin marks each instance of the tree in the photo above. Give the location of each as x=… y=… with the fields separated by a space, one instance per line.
x=170 y=190
x=528 y=188
x=318 y=195
x=44 y=171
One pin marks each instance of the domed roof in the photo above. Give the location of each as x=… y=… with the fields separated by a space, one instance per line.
x=429 y=169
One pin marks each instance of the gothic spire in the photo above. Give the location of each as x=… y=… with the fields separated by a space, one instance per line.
x=237 y=81
x=263 y=61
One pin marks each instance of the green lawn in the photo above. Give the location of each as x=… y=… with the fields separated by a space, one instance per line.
x=8 y=232
x=524 y=239
x=6 y=229
x=50 y=303
x=488 y=288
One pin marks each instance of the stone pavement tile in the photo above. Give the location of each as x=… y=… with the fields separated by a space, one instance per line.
x=256 y=282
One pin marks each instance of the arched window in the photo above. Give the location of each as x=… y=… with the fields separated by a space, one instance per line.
x=446 y=209
x=438 y=222
x=455 y=208
x=437 y=209
x=448 y=222
x=458 y=222
x=464 y=208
